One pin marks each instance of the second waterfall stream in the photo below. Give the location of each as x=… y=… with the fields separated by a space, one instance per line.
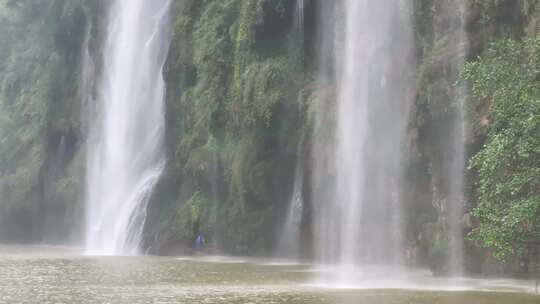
x=359 y=210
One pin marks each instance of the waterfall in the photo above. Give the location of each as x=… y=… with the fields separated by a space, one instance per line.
x=456 y=161
x=359 y=218
x=352 y=134
x=300 y=6
x=125 y=149
x=288 y=243
x=87 y=83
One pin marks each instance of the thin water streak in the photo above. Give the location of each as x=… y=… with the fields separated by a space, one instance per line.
x=456 y=169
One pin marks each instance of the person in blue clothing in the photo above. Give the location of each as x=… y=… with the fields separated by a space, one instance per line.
x=199 y=242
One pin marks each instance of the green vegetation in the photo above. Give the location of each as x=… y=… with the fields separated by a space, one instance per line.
x=507 y=76
x=234 y=134
x=39 y=116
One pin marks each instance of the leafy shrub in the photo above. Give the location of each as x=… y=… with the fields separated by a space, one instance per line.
x=508 y=77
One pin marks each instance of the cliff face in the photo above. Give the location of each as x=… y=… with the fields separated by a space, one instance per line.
x=41 y=163
x=234 y=123
x=444 y=45
x=243 y=97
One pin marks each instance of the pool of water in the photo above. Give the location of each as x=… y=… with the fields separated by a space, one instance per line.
x=53 y=275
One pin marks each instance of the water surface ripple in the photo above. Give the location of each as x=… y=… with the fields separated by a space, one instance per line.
x=60 y=277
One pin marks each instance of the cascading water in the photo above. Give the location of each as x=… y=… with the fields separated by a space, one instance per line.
x=300 y=6
x=288 y=244
x=125 y=153
x=86 y=85
x=358 y=225
x=288 y=241
x=456 y=162
x=351 y=136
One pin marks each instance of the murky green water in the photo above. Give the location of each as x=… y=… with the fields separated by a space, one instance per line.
x=68 y=278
